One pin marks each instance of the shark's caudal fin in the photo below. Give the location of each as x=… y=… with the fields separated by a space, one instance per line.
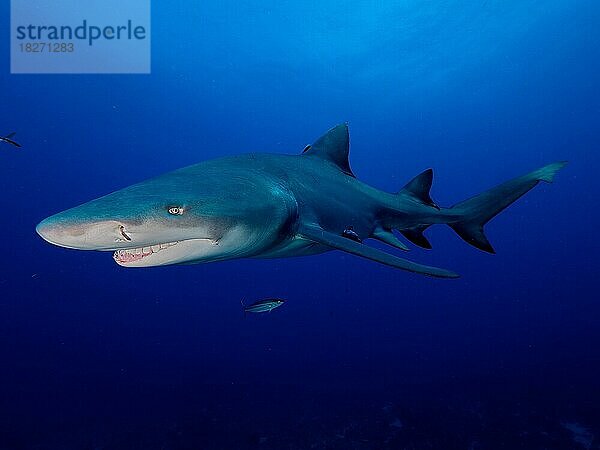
x=317 y=234
x=477 y=211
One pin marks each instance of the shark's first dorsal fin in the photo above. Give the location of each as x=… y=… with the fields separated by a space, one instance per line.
x=419 y=188
x=333 y=146
x=316 y=234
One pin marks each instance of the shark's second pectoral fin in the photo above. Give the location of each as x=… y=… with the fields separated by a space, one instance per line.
x=317 y=234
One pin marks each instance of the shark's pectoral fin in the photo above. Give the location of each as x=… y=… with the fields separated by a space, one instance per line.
x=317 y=234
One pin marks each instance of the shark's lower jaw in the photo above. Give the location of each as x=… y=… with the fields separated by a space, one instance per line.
x=137 y=254
x=166 y=253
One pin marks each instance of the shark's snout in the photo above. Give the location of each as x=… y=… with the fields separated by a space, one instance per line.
x=105 y=235
x=51 y=232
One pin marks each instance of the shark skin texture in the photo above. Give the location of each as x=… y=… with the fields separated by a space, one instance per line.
x=264 y=205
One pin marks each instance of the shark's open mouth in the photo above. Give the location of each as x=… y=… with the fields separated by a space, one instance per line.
x=165 y=253
x=136 y=254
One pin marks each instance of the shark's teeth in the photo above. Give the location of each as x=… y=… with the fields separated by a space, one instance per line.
x=135 y=254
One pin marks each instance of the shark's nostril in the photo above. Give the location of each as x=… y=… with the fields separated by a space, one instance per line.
x=124 y=234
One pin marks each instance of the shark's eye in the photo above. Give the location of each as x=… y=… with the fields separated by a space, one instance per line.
x=176 y=210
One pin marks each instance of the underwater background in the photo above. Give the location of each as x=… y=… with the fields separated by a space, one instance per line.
x=361 y=356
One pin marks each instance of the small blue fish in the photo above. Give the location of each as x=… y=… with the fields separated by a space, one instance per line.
x=261 y=306
x=8 y=140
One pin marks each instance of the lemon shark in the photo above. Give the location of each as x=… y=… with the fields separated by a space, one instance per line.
x=263 y=205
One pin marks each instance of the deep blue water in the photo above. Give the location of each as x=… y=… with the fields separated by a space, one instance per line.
x=95 y=356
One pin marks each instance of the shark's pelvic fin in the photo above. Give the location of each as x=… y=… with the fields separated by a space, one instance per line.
x=317 y=234
x=388 y=237
x=419 y=188
x=334 y=147
x=477 y=211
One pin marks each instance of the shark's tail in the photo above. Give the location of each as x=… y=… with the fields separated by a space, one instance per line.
x=475 y=212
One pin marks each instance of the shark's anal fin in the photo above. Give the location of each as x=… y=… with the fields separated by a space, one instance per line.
x=416 y=236
x=317 y=234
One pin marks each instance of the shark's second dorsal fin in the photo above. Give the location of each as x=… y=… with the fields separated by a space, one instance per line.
x=333 y=146
x=419 y=188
